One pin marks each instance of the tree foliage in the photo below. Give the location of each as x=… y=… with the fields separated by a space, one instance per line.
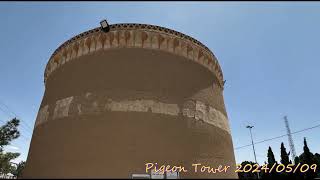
x=271 y=158
x=271 y=161
x=5 y=162
x=284 y=155
x=9 y=132
x=17 y=171
x=247 y=175
x=307 y=157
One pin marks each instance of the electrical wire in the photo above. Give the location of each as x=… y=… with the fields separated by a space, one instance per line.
x=277 y=137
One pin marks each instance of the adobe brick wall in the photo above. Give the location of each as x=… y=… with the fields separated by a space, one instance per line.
x=108 y=111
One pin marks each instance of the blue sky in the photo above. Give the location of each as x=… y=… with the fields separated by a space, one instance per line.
x=268 y=51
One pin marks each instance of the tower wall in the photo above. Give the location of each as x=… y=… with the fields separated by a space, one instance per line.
x=118 y=100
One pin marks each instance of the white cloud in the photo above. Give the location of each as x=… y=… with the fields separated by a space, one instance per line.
x=12 y=147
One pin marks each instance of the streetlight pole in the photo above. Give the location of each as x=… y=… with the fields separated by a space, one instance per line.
x=254 y=151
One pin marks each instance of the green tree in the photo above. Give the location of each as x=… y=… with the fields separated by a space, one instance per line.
x=296 y=160
x=271 y=161
x=317 y=161
x=17 y=172
x=8 y=132
x=5 y=162
x=284 y=155
x=247 y=175
x=307 y=157
x=284 y=160
x=271 y=158
x=317 y=158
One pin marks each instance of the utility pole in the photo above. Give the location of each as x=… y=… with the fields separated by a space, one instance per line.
x=254 y=151
x=292 y=149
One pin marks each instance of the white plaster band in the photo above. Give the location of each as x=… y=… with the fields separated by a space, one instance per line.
x=192 y=109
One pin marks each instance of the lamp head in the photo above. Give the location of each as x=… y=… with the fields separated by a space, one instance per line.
x=104 y=25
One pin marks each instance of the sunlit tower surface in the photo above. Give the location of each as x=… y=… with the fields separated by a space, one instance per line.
x=292 y=149
x=123 y=95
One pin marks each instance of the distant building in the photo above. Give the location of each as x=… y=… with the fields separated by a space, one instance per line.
x=117 y=100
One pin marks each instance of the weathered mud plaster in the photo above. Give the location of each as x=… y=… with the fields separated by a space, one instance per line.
x=43 y=115
x=62 y=108
x=192 y=109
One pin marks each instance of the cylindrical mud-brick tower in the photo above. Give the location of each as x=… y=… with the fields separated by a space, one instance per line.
x=137 y=94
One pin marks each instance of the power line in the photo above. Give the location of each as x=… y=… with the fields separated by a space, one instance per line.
x=277 y=137
x=23 y=123
x=21 y=135
x=9 y=109
x=5 y=113
x=12 y=112
x=24 y=127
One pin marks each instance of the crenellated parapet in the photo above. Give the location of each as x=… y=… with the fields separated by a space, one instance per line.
x=134 y=36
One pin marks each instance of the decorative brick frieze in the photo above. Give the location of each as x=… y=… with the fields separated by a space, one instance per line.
x=134 y=36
